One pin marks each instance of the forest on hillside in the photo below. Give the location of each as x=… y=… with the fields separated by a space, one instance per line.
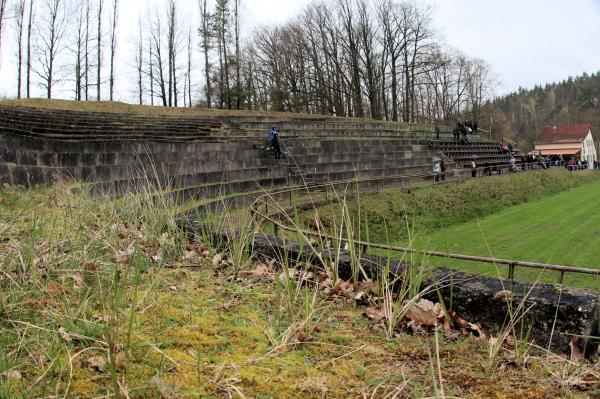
x=524 y=113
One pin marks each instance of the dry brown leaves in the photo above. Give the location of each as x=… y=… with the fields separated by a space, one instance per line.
x=375 y=314
x=124 y=255
x=425 y=315
x=54 y=288
x=576 y=352
x=97 y=363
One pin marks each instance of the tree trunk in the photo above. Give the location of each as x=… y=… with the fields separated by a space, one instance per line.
x=238 y=57
x=29 y=29
x=20 y=22
x=205 y=33
x=2 y=10
x=99 y=49
x=189 y=72
x=113 y=47
x=86 y=67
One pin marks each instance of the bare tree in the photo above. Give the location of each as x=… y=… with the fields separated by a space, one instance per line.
x=2 y=16
x=99 y=50
x=172 y=52
x=151 y=70
x=205 y=35
x=238 y=56
x=113 y=46
x=79 y=53
x=394 y=43
x=222 y=17
x=20 y=21
x=157 y=60
x=52 y=27
x=86 y=71
x=139 y=62
x=29 y=33
x=189 y=68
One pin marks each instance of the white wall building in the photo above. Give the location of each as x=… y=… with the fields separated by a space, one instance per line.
x=569 y=140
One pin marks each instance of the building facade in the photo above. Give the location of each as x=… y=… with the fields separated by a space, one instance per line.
x=570 y=141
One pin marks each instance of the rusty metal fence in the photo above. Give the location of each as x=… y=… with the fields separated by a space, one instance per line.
x=274 y=219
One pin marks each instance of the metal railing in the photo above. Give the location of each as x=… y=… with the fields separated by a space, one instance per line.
x=510 y=263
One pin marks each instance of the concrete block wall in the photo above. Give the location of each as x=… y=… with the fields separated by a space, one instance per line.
x=196 y=157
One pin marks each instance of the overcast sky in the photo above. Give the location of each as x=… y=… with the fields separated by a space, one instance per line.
x=527 y=42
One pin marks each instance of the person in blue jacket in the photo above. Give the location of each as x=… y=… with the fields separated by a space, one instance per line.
x=274 y=137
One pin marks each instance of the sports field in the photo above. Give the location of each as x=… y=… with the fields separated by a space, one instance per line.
x=560 y=229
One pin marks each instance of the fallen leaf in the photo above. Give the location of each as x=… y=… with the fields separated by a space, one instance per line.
x=120 y=360
x=149 y=251
x=340 y=288
x=121 y=257
x=64 y=334
x=97 y=363
x=54 y=288
x=301 y=336
x=554 y=358
x=289 y=274
x=39 y=358
x=425 y=313
x=372 y=313
x=217 y=259
x=466 y=325
x=13 y=375
x=79 y=279
x=576 y=352
x=367 y=286
x=260 y=272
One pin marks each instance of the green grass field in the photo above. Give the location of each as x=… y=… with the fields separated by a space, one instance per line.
x=560 y=229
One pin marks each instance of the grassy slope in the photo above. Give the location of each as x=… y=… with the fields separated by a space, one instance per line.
x=562 y=229
x=66 y=301
x=430 y=213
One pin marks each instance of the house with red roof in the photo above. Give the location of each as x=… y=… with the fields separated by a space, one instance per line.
x=568 y=140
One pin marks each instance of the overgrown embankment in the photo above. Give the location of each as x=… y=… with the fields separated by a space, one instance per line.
x=392 y=217
x=105 y=297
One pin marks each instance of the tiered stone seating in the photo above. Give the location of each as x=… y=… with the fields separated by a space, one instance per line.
x=210 y=156
x=482 y=151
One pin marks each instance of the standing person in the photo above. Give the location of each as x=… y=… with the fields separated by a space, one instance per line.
x=473 y=168
x=437 y=132
x=443 y=167
x=436 y=168
x=274 y=136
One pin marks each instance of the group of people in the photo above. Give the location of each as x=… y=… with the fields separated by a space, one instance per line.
x=505 y=148
x=577 y=164
x=572 y=163
x=462 y=130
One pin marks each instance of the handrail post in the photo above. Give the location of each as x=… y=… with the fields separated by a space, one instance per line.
x=511 y=272
x=561 y=275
